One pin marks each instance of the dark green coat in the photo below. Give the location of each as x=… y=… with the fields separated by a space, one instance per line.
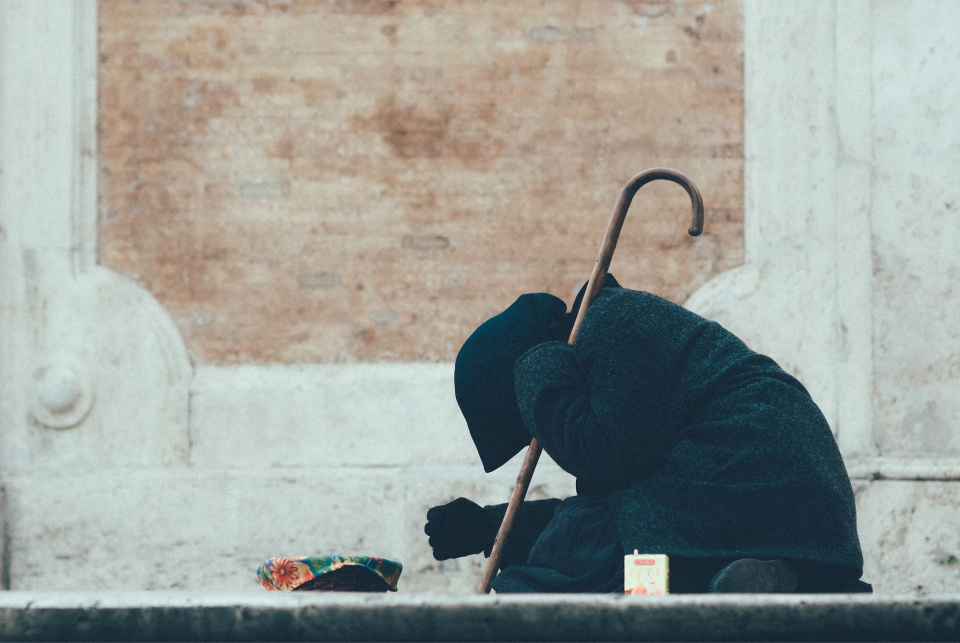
x=704 y=448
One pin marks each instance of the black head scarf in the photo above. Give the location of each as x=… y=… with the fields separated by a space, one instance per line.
x=483 y=374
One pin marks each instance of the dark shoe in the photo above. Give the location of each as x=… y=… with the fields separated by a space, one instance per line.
x=751 y=576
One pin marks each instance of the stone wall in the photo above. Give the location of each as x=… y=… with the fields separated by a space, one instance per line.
x=369 y=181
x=192 y=378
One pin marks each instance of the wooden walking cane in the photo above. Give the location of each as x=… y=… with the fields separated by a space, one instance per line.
x=593 y=288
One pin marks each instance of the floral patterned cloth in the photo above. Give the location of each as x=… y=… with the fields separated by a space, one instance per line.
x=286 y=574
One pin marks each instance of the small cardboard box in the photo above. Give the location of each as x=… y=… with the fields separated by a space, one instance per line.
x=646 y=574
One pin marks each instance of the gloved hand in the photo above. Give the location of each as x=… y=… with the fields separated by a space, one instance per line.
x=459 y=528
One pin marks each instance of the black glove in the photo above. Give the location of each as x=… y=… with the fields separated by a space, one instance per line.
x=459 y=528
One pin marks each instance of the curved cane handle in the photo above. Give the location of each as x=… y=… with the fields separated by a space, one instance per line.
x=593 y=288
x=616 y=223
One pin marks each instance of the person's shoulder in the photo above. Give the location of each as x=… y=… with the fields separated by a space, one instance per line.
x=620 y=313
x=639 y=302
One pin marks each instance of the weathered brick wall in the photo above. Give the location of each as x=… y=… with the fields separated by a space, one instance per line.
x=341 y=181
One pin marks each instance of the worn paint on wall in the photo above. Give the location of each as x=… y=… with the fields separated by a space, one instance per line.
x=340 y=181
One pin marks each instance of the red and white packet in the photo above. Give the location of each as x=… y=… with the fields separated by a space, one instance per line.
x=646 y=574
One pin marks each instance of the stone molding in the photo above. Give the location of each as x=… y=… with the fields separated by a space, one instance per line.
x=94 y=373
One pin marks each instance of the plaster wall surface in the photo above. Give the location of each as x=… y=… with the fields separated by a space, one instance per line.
x=916 y=211
x=129 y=461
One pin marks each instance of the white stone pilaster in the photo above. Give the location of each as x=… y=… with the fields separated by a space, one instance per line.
x=93 y=373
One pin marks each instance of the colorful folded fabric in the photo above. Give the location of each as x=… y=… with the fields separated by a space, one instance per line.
x=330 y=573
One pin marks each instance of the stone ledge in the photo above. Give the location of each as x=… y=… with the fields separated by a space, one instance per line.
x=191 y=616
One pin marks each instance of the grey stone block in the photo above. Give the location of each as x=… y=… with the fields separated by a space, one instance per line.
x=910 y=533
x=4 y=542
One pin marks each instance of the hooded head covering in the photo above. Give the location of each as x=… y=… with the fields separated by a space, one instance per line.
x=483 y=374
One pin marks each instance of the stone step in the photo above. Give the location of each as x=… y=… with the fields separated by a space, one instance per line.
x=193 y=616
